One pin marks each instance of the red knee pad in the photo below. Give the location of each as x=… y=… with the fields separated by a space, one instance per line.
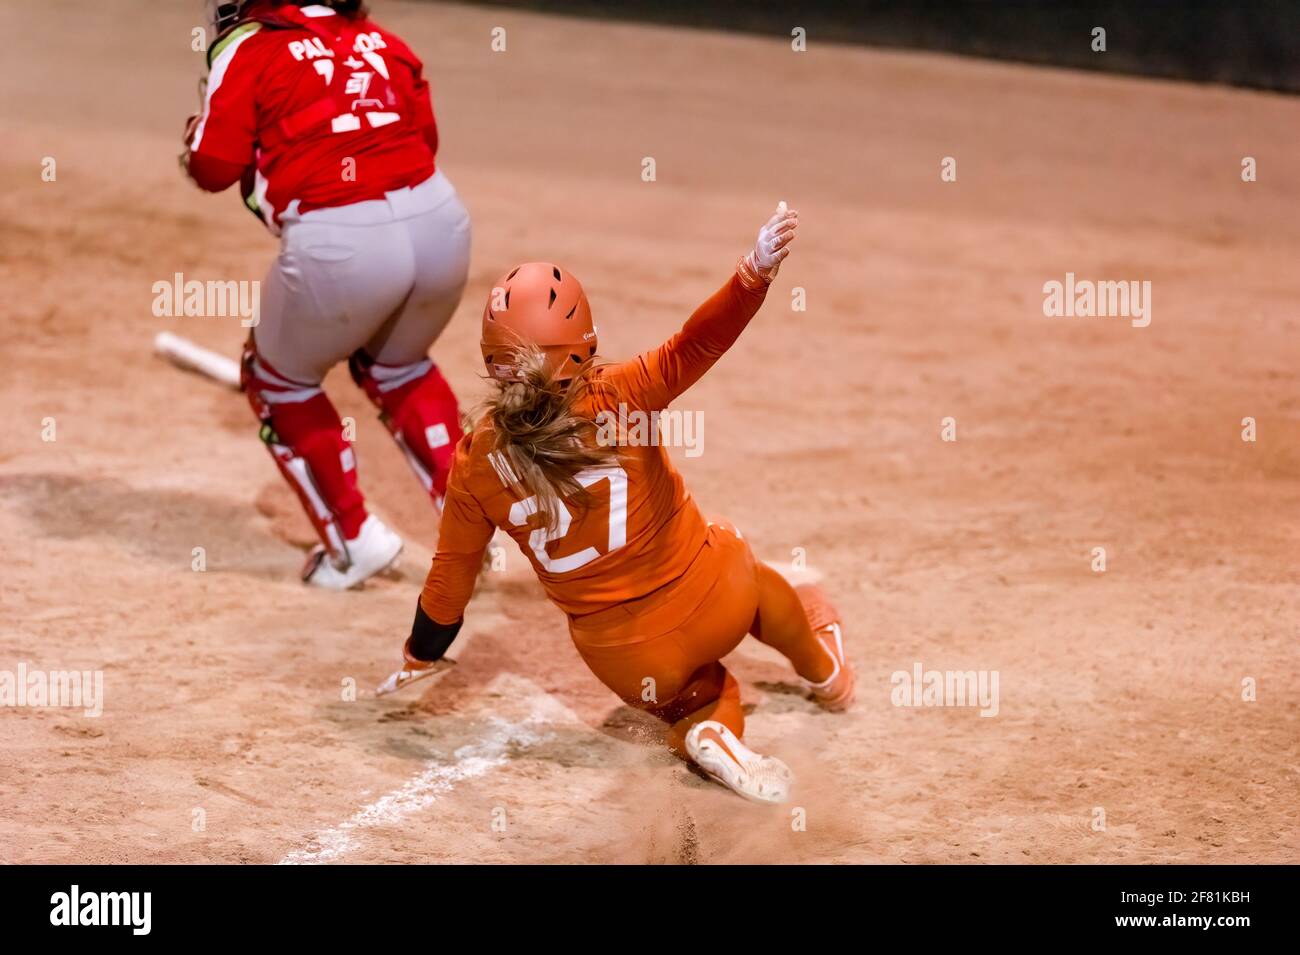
x=312 y=428
x=420 y=411
x=304 y=434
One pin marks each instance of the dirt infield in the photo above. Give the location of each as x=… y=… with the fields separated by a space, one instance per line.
x=1121 y=734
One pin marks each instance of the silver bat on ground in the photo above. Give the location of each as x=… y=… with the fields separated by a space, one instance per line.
x=185 y=354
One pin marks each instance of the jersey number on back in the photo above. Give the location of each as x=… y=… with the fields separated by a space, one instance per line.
x=366 y=91
x=520 y=511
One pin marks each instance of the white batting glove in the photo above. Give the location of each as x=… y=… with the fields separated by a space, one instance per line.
x=771 y=247
x=411 y=672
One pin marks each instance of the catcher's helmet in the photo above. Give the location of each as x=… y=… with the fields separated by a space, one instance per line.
x=537 y=303
x=223 y=14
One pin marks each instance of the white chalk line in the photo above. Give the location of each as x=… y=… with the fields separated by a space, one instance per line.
x=439 y=777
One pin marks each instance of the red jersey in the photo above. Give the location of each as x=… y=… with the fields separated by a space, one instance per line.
x=642 y=529
x=320 y=109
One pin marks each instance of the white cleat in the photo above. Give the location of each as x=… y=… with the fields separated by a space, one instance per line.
x=374 y=549
x=718 y=752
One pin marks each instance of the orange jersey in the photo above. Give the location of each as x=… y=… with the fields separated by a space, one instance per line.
x=642 y=528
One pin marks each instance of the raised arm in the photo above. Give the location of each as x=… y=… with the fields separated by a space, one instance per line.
x=653 y=379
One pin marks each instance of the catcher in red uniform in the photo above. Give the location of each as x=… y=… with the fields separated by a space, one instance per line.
x=325 y=119
x=656 y=595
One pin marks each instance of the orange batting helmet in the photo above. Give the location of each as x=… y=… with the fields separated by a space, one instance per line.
x=537 y=303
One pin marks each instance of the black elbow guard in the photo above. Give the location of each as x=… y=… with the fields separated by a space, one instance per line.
x=430 y=639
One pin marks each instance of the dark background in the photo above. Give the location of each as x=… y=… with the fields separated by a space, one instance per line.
x=1253 y=43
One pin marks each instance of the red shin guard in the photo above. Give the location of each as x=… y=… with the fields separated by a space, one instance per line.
x=304 y=434
x=417 y=406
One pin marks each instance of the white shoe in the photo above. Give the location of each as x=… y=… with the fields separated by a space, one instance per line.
x=375 y=548
x=718 y=752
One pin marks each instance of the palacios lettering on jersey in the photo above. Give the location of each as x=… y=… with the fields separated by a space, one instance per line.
x=309 y=49
x=103 y=908
x=313 y=47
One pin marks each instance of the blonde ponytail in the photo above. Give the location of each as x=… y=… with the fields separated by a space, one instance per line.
x=545 y=440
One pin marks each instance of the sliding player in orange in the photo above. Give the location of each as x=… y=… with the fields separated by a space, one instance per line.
x=656 y=595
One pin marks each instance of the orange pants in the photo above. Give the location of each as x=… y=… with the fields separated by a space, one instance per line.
x=661 y=653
